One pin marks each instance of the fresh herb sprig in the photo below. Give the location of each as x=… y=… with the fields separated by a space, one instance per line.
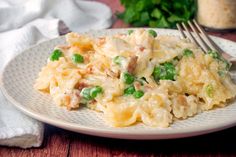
x=157 y=13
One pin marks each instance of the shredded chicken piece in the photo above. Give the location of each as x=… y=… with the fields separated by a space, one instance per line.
x=112 y=73
x=132 y=64
x=137 y=85
x=81 y=85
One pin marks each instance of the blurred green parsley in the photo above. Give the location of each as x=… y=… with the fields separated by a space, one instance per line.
x=157 y=13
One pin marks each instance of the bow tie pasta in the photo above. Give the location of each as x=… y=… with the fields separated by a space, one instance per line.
x=136 y=77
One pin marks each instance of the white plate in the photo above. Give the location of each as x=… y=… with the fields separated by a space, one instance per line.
x=17 y=85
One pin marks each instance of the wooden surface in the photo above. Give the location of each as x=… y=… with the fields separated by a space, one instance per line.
x=62 y=143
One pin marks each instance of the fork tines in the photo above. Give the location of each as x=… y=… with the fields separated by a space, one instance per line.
x=193 y=31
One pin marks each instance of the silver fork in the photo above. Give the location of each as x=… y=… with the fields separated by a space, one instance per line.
x=201 y=38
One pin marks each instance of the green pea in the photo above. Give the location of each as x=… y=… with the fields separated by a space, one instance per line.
x=118 y=59
x=129 y=90
x=77 y=58
x=91 y=93
x=128 y=78
x=138 y=94
x=224 y=64
x=55 y=55
x=188 y=53
x=209 y=90
x=159 y=72
x=85 y=93
x=130 y=32
x=152 y=32
x=95 y=91
x=214 y=54
x=222 y=73
x=164 y=71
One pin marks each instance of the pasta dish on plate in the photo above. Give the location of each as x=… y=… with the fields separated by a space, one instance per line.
x=138 y=76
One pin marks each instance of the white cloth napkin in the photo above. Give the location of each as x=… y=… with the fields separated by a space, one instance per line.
x=27 y=22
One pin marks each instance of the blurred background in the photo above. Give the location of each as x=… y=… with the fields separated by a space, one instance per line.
x=213 y=14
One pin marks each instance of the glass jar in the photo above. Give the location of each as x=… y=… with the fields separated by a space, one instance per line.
x=217 y=14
